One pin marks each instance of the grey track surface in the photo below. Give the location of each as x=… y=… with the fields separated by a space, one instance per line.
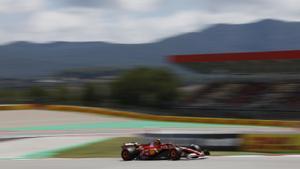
x=27 y=118
x=260 y=162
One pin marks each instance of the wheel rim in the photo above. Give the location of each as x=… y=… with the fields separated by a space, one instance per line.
x=173 y=153
x=125 y=155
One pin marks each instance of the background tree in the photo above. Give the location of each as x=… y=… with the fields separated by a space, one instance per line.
x=38 y=94
x=146 y=87
x=62 y=94
x=90 y=94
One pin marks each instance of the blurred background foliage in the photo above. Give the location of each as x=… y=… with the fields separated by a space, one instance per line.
x=145 y=87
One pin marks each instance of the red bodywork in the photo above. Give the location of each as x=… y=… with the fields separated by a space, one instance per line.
x=151 y=150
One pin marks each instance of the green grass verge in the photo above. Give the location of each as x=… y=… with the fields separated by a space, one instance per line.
x=112 y=148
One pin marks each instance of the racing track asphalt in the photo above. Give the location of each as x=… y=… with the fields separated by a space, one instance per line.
x=32 y=123
x=51 y=130
x=236 y=162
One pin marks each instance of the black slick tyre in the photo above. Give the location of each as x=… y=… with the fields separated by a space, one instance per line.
x=126 y=155
x=174 y=154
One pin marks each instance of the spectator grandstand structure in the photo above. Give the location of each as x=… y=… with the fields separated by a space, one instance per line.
x=251 y=92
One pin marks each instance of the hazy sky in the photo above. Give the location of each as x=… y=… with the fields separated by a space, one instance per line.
x=129 y=21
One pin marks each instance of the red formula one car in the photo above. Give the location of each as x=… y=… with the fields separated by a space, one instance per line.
x=158 y=151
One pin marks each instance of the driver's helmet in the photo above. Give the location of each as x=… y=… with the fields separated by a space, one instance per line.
x=157 y=142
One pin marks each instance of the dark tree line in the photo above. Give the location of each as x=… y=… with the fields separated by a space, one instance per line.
x=147 y=87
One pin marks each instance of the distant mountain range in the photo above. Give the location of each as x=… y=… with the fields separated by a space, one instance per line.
x=26 y=59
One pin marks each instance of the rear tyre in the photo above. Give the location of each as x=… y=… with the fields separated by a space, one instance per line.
x=174 y=154
x=126 y=155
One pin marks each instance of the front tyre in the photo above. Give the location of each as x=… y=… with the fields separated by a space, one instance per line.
x=206 y=152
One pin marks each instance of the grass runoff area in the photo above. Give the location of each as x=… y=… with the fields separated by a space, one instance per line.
x=112 y=148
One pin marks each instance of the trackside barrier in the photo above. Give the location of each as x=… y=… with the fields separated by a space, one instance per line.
x=213 y=142
x=265 y=143
x=284 y=143
x=111 y=112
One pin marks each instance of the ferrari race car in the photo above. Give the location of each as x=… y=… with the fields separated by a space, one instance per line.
x=158 y=151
